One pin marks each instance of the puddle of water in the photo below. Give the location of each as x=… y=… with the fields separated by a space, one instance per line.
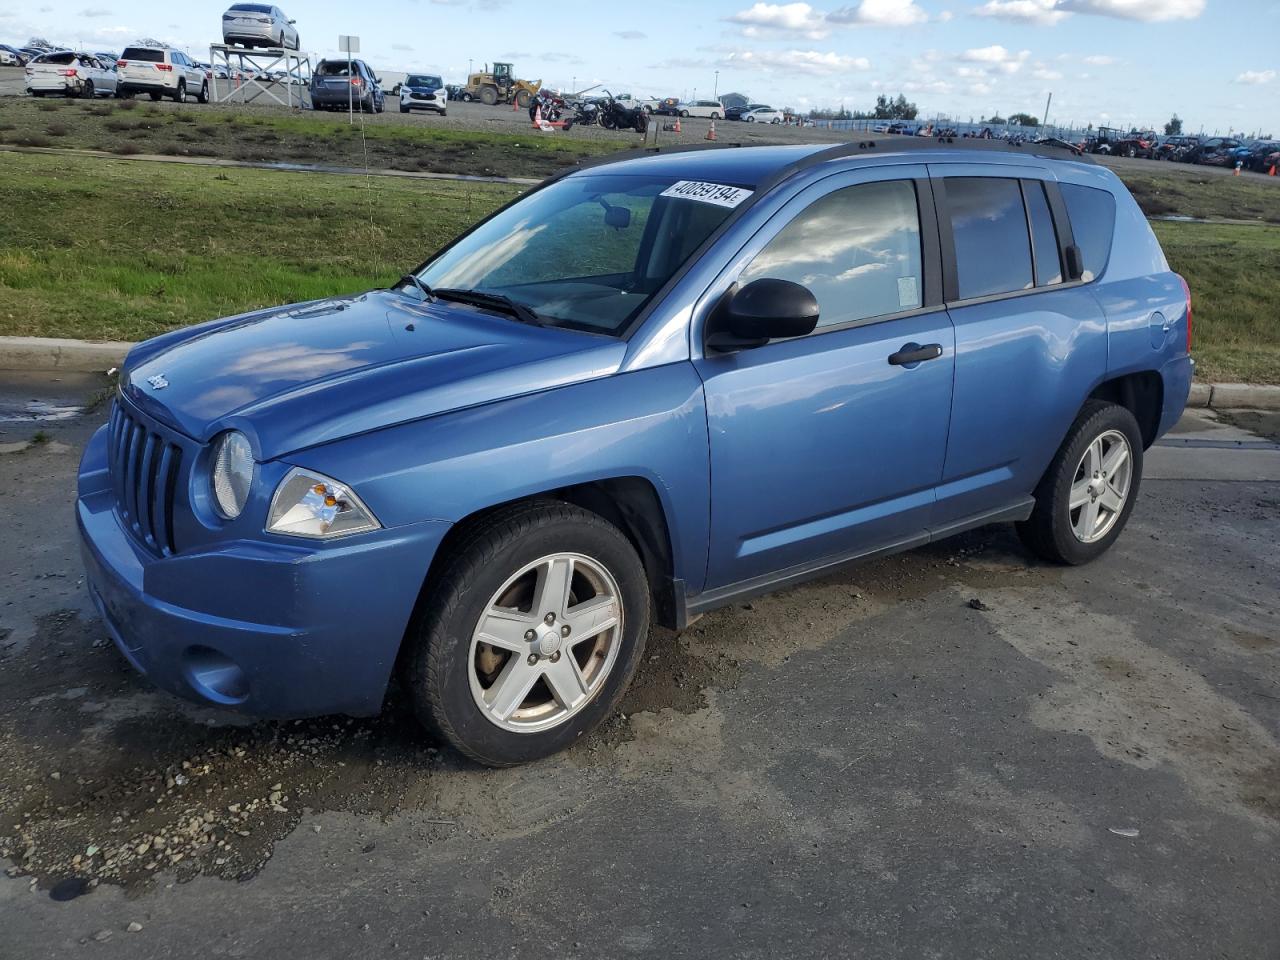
x=38 y=411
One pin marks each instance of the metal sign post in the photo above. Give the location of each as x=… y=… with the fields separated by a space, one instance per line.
x=349 y=45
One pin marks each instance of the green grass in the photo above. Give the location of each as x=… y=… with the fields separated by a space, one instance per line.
x=116 y=249
x=230 y=133
x=1175 y=189
x=124 y=250
x=1234 y=275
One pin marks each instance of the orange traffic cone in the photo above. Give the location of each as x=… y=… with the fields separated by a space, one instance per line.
x=677 y=127
x=1236 y=171
x=537 y=117
x=1272 y=171
x=711 y=134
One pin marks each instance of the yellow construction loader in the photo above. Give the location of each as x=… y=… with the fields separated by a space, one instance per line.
x=500 y=86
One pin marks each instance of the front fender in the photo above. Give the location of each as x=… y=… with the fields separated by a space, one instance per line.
x=649 y=424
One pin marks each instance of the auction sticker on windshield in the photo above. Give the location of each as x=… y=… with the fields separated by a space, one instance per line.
x=716 y=193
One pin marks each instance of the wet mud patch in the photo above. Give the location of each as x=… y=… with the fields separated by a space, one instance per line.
x=1140 y=705
x=1253 y=642
x=772 y=628
x=105 y=779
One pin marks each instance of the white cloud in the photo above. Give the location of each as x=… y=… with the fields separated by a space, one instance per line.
x=1041 y=72
x=945 y=16
x=884 y=13
x=1256 y=77
x=994 y=54
x=811 y=62
x=630 y=34
x=797 y=18
x=1101 y=60
x=95 y=12
x=1044 y=12
x=1148 y=11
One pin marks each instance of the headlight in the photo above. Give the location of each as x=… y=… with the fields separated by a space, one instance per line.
x=308 y=504
x=232 y=473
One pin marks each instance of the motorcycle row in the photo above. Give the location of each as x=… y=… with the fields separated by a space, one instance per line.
x=597 y=111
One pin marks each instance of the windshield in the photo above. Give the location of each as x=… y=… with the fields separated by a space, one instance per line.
x=586 y=252
x=423 y=80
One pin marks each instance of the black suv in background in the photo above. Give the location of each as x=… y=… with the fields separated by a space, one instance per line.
x=337 y=83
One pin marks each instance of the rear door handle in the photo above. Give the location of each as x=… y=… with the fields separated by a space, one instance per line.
x=913 y=353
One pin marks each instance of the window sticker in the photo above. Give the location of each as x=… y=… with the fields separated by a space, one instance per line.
x=908 y=295
x=717 y=193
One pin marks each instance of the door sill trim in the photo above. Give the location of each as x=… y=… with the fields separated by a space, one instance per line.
x=709 y=600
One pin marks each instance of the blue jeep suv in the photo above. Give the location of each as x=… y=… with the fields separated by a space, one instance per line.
x=647 y=388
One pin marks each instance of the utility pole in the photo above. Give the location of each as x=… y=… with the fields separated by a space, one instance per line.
x=715 y=94
x=1044 y=121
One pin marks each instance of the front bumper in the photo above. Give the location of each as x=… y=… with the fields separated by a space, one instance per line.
x=266 y=627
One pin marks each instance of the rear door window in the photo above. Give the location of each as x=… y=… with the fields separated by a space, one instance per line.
x=1093 y=221
x=989 y=223
x=857 y=250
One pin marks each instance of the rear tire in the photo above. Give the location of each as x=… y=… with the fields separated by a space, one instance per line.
x=1056 y=531
x=204 y=92
x=180 y=95
x=445 y=668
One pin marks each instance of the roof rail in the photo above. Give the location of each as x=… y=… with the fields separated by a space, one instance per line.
x=869 y=146
x=897 y=144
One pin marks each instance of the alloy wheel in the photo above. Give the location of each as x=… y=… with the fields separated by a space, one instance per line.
x=1100 y=486
x=546 y=643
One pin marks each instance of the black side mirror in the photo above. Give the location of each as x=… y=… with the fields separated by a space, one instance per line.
x=763 y=310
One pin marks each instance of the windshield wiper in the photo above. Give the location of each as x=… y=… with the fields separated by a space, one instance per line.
x=427 y=293
x=492 y=301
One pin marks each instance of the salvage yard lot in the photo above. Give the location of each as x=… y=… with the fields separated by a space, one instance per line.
x=106 y=249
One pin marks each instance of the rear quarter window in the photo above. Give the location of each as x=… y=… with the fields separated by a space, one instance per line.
x=1093 y=222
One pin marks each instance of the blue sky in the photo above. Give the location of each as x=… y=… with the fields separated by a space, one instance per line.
x=1215 y=62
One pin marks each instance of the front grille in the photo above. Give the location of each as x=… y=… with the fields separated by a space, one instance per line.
x=144 y=473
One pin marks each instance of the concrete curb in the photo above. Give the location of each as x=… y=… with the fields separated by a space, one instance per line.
x=49 y=353
x=80 y=356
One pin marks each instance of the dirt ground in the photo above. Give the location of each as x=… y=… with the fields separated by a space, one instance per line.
x=957 y=751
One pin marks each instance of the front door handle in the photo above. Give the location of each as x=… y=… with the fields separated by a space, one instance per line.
x=913 y=353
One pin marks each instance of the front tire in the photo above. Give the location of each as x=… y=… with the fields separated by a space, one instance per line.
x=1085 y=497
x=535 y=627
x=204 y=92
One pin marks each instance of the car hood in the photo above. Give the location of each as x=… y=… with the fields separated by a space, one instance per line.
x=307 y=374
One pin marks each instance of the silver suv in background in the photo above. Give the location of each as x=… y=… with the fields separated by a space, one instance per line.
x=70 y=74
x=259 y=25
x=160 y=72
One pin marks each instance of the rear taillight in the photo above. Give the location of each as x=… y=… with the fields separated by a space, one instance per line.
x=120 y=64
x=67 y=73
x=1187 y=291
x=356 y=81
x=166 y=67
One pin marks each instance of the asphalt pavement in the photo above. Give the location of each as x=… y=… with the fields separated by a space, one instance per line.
x=957 y=752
